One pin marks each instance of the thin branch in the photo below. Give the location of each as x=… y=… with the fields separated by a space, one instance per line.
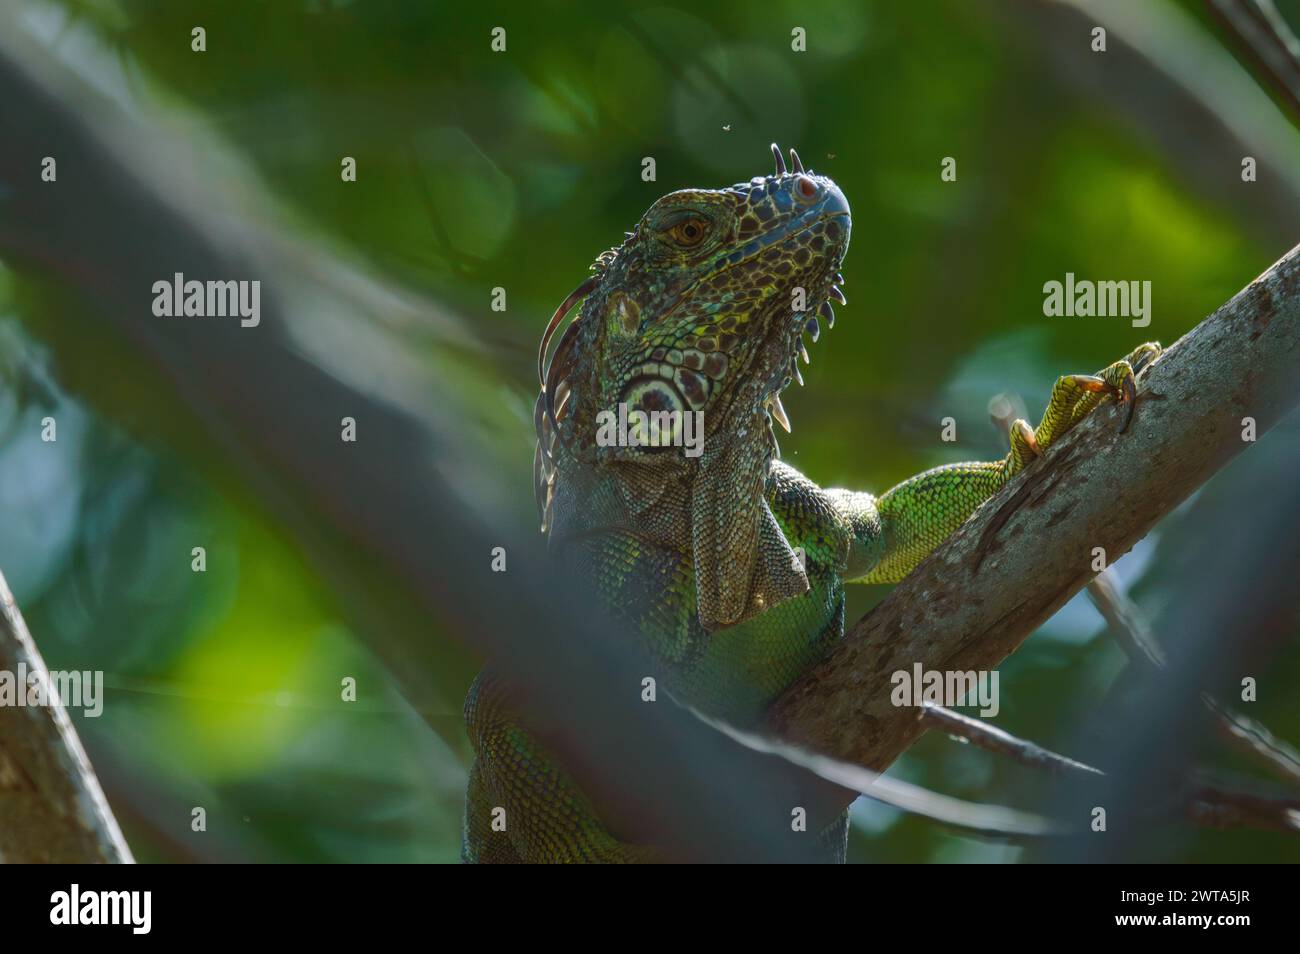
x=1128 y=625
x=51 y=806
x=1253 y=738
x=1125 y=621
x=997 y=740
x=989 y=821
x=1209 y=805
x=1215 y=807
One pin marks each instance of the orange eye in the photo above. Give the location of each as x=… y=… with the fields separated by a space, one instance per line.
x=689 y=232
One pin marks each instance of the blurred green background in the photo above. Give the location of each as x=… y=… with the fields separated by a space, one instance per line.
x=479 y=169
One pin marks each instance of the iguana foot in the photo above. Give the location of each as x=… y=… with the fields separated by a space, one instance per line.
x=895 y=531
x=1074 y=397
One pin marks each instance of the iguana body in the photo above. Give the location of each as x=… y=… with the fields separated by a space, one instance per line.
x=702 y=309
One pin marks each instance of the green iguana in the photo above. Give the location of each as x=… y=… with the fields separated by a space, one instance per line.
x=730 y=564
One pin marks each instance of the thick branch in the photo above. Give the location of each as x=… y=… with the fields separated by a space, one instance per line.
x=1030 y=548
x=51 y=805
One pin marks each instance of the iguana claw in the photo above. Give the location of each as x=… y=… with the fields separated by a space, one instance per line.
x=1125 y=392
x=1128 y=397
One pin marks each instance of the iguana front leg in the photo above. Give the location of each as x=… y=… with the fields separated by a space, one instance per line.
x=893 y=533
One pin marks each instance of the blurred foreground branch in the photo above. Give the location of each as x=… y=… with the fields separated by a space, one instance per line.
x=1130 y=628
x=1175 y=86
x=402 y=523
x=1030 y=548
x=51 y=806
x=1268 y=40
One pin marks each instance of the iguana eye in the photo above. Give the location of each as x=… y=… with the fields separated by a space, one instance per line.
x=689 y=232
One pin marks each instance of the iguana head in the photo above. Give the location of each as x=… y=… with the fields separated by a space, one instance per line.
x=701 y=310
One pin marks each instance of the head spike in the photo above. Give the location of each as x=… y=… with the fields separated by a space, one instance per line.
x=795 y=164
x=803 y=352
x=780 y=159
x=778 y=412
x=838 y=295
x=827 y=312
x=814 y=330
x=575 y=296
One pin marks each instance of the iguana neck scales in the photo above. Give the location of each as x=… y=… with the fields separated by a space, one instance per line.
x=729 y=565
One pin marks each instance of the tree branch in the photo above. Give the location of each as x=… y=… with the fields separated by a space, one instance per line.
x=51 y=806
x=1130 y=629
x=1256 y=740
x=1206 y=804
x=1215 y=807
x=1210 y=804
x=1125 y=622
x=978 y=597
x=990 y=737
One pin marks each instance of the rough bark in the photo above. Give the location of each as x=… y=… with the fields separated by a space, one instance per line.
x=51 y=806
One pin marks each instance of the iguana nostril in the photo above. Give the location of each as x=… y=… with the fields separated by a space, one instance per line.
x=806 y=187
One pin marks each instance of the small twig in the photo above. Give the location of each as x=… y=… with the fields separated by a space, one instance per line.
x=1126 y=622
x=1208 y=804
x=1254 y=738
x=997 y=740
x=1217 y=807
x=1211 y=805
x=989 y=821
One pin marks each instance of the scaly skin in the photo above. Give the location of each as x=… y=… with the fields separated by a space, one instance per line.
x=700 y=310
